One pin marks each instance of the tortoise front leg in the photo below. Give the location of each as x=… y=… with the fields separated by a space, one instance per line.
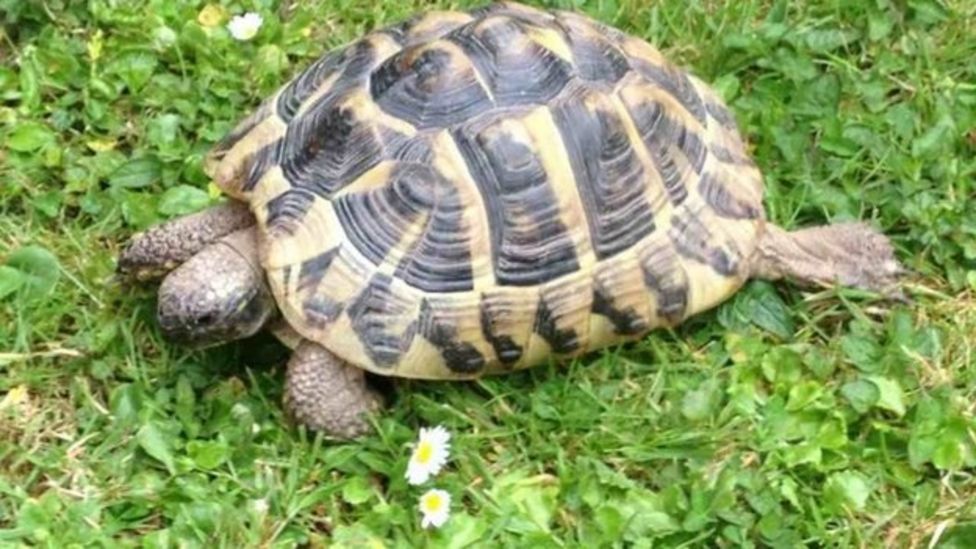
x=159 y=250
x=326 y=394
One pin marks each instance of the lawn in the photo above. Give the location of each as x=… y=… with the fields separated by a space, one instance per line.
x=782 y=418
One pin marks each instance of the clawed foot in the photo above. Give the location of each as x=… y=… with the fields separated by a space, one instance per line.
x=327 y=395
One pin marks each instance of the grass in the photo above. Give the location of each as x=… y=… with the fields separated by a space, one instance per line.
x=783 y=418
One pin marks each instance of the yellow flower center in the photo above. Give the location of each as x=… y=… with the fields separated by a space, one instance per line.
x=424 y=452
x=433 y=502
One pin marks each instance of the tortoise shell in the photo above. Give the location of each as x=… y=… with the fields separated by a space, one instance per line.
x=474 y=192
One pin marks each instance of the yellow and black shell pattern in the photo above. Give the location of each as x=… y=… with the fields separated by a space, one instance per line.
x=474 y=192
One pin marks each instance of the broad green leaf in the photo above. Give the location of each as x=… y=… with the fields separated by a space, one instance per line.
x=787 y=489
x=727 y=86
x=535 y=501
x=921 y=447
x=125 y=402
x=185 y=406
x=699 y=404
x=948 y=452
x=48 y=203
x=879 y=25
x=39 y=267
x=138 y=172
x=357 y=491
x=539 y=505
x=901 y=118
x=790 y=144
x=890 y=395
x=832 y=433
x=862 y=394
x=820 y=98
x=11 y=280
x=929 y=417
x=771 y=314
x=846 y=489
x=135 y=69
x=163 y=129
x=798 y=67
x=163 y=37
x=647 y=513
x=819 y=362
x=802 y=453
x=836 y=143
x=659 y=521
x=826 y=40
x=202 y=514
x=928 y=12
x=30 y=88
x=770 y=524
x=934 y=139
x=182 y=200
x=194 y=37
x=271 y=61
x=802 y=395
x=29 y=137
x=153 y=441
x=610 y=520
x=759 y=304
x=208 y=454
x=463 y=530
x=782 y=366
x=862 y=351
x=740 y=41
x=138 y=208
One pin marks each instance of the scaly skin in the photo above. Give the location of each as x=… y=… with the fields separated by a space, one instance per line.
x=218 y=295
x=152 y=254
x=326 y=394
x=846 y=254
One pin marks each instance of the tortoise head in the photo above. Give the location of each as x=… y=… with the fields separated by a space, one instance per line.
x=216 y=296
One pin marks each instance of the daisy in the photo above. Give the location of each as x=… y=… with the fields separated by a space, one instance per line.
x=435 y=506
x=430 y=454
x=244 y=27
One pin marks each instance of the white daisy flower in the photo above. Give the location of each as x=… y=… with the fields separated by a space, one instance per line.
x=430 y=454
x=435 y=506
x=245 y=27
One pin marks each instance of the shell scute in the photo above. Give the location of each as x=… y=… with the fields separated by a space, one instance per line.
x=516 y=69
x=530 y=242
x=609 y=175
x=380 y=319
x=429 y=86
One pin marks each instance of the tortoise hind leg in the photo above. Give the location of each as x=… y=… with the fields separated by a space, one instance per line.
x=152 y=254
x=326 y=394
x=850 y=254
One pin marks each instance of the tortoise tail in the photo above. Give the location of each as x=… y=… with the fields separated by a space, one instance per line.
x=847 y=254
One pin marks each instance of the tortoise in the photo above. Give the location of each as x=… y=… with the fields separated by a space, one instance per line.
x=476 y=192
